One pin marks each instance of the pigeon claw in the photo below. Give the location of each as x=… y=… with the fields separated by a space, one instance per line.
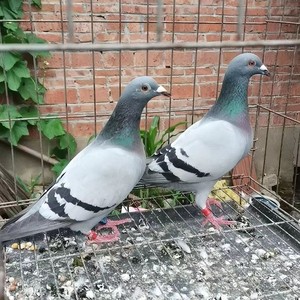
x=96 y=238
x=212 y=201
x=216 y=222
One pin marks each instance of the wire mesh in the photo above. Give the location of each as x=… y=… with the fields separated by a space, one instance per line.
x=97 y=47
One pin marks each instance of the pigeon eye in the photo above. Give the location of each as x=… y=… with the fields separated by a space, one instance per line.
x=251 y=63
x=144 y=87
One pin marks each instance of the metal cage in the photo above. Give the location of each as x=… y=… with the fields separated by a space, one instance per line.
x=166 y=253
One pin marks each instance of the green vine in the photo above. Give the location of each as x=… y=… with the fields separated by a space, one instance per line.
x=24 y=91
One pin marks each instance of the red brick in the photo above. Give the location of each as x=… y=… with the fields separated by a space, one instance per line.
x=84 y=129
x=183 y=91
x=209 y=27
x=285 y=57
x=56 y=96
x=208 y=90
x=181 y=58
x=51 y=37
x=56 y=60
x=81 y=59
x=127 y=58
x=207 y=57
x=257 y=11
x=228 y=56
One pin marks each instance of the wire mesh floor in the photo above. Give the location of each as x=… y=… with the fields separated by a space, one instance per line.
x=165 y=254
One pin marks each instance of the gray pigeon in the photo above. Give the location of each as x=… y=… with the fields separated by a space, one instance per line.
x=211 y=147
x=98 y=178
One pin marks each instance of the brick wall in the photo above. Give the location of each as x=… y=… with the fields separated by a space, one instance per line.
x=70 y=77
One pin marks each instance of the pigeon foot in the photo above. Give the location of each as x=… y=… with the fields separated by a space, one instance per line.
x=213 y=201
x=95 y=238
x=216 y=222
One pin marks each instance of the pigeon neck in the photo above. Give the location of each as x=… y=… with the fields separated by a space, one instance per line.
x=232 y=103
x=123 y=126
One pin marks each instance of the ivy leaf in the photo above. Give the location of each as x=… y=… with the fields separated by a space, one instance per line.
x=4 y=132
x=6 y=112
x=18 y=130
x=9 y=14
x=12 y=39
x=91 y=138
x=59 y=153
x=67 y=141
x=33 y=39
x=29 y=112
x=13 y=26
x=15 y=5
x=19 y=33
x=2 y=77
x=8 y=60
x=2 y=87
x=29 y=89
x=21 y=70
x=57 y=168
x=51 y=128
x=13 y=80
x=37 y=3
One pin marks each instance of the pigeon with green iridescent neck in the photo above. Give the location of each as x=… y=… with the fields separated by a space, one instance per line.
x=98 y=178
x=211 y=147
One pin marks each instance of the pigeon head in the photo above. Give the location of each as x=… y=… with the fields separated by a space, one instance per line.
x=247 y=64
x=144 y=89
x=122 y=128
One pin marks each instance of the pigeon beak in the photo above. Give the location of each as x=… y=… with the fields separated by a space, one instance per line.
x=265 y=71
x=163 y=91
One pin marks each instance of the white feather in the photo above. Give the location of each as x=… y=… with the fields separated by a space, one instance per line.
x=106 y=177
x=213 y=147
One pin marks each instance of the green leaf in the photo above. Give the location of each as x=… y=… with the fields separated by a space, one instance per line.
x=91 y=138
x=22 y=184
x=68 y=141
x=1 y=12
x=2 y=87
x=59 y=153
x=29 y=89
x=15 y=5
x=19 y=33
x=4 y=132
x=12 y=38
x=21 y=70
x=2 y=77
x=8 y=60
x=9 y=14
x=51 y=128
x=29 y=112
x=172 y=128
x=13 y=80
x=33 y=39
x=19 y=129
x=13 y=26
x=8 y=112
x=37 y=3
x=57 y=168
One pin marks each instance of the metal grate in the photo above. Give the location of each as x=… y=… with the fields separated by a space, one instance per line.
x=167 y=253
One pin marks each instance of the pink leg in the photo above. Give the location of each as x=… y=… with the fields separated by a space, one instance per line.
x=216 y=222
x=213 y=201
x=95 y=238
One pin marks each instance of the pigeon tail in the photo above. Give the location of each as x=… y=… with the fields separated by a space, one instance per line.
x=33 y=224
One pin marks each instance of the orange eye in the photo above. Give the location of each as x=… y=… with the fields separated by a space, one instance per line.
x=144 y=88
x=251 y=63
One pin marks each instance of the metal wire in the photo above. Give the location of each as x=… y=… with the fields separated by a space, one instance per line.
x=146 y=46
